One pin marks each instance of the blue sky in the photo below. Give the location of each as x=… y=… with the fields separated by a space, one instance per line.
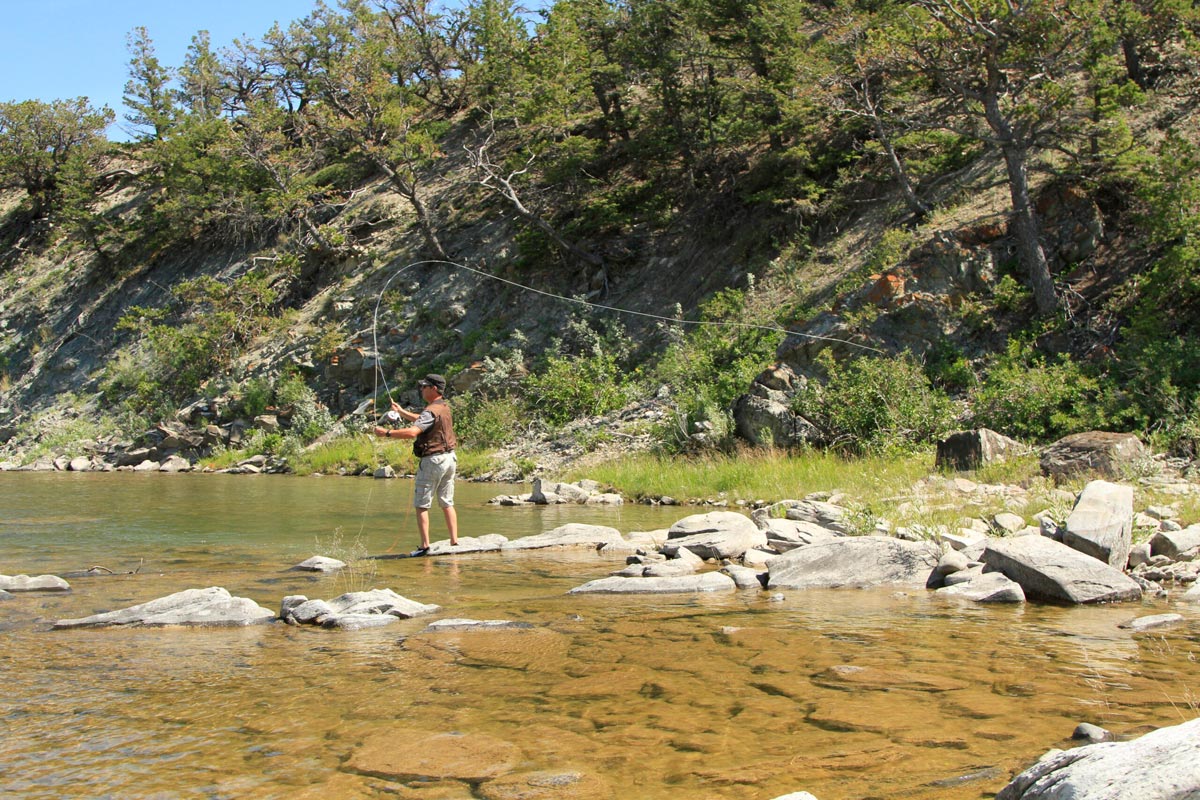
x=57 y=49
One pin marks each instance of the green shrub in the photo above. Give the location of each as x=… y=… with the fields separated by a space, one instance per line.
x=1026 y=395
x=482 y=422
x=874 y=405
x=569 y=387
x=713 y=364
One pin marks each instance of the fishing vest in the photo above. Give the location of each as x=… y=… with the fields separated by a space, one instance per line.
x=440 y=436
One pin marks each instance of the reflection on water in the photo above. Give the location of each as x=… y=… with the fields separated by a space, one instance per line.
x=846 y=694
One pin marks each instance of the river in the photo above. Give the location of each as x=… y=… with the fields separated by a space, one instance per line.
x=845 y=694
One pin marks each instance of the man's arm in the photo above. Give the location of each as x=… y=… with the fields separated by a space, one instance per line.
x=405 y=414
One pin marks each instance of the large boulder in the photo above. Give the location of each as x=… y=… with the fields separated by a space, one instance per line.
x=682 y=584
x=720 y=534
x=213 y=606
x=33 y=583
x=1101 y=524
x=1049 y=570
x=1172 y=543
x=573 y=534
x=1099 y=452
x=856 y=562
x=1162 y=765
x=965 y=450
x=769 y=421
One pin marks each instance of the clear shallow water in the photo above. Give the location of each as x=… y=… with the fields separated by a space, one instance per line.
x=846 y=694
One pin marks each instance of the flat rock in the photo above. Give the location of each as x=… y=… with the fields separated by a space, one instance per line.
x=854 y=561
x=788 y=534
x=1162 y=765
x=488 y=543
x=821 y=512
x=34 y=583
x=712 y=522
x=462 y=624
x=1101 y=524
x=320 y=564
x=413 y=755
x=1151 y=621
x=989 y=587
x=885 y=679
x=213 y=606
x=7 y=595
x=684 y=584
x=551 y=492
x=1049 y=570
x=573 y=534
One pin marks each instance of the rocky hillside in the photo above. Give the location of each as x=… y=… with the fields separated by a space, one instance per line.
x=564 y=251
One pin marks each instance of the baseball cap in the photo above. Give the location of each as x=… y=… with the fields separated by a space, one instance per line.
x=434 y=380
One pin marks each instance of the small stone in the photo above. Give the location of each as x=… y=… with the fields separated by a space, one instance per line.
x=1091 y=733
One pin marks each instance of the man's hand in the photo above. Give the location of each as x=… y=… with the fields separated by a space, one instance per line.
x=381 y=431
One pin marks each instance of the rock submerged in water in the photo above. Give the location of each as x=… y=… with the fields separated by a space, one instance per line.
x=682 y=584
x=1162 y=765
x=211 y=607
x=416 y=755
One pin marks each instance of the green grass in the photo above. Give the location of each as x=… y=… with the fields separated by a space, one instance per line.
x=759 y=476
x=355 y=453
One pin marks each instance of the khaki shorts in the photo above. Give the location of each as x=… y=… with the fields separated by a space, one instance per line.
x=435 y=476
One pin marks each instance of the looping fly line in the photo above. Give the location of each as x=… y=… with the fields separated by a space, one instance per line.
x=586 y=304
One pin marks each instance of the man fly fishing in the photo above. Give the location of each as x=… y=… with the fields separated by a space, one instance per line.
x=432 y=432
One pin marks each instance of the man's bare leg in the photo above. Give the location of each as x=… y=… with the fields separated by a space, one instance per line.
x=451 y=524
x=423 y=526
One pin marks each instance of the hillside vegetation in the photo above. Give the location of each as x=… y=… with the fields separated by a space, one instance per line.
x=965 y=213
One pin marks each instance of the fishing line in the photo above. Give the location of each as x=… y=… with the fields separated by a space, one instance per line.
x=599 y=307
x=379 y=375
